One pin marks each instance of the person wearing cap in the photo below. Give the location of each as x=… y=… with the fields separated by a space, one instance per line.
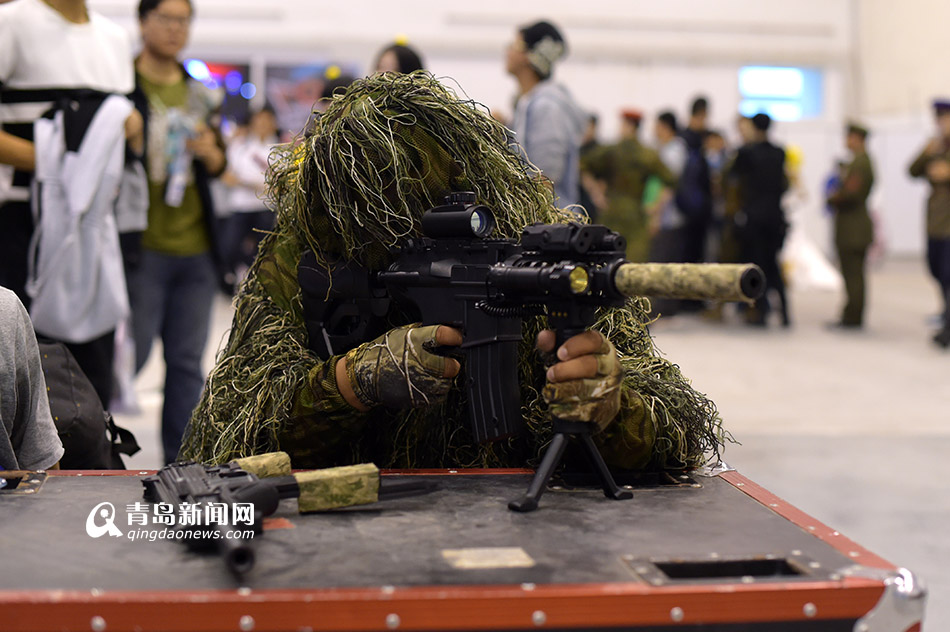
x=760 y=222
x=547 y=122
x=854 y=231
x=933 y=163
x=625 y=167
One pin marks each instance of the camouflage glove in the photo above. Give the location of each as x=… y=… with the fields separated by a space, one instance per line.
x=400 y=370
x=585 y=384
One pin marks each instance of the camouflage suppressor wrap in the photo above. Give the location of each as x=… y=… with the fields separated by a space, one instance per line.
x=337 y=487
x=694 y=281
x=266 y=465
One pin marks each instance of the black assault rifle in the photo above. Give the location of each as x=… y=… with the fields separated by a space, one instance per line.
x=456 y=275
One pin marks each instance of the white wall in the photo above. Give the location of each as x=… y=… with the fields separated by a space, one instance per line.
x=635 y=53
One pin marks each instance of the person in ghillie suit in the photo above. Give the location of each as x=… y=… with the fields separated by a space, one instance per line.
x=385 y=151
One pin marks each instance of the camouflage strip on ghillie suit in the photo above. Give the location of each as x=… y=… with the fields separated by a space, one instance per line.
x=383 y=153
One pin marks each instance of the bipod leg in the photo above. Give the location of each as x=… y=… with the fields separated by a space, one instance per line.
x=611 y=489
x=542 y=475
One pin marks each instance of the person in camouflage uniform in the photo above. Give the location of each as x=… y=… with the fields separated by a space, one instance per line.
x=854 y=231
x=933 y=163
x=625 y=168
x=383 y=153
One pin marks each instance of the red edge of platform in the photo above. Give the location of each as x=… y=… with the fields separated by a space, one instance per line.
x=823 y=532
x=438 y=607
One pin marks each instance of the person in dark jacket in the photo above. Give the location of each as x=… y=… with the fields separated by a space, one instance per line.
x=760 y=222
x=176 y=276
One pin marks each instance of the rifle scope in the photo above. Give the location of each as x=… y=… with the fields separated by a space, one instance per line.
x=459 y=218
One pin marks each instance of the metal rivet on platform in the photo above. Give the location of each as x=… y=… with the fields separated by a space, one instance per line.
x=748 y=579
x=453 y=471
x=854 y=554
x=393 y=621
x=714 y=556
x=740 y=484
x=556 y=488
x=862 y=627
x=773 y=504
x=244 y=591
x=388 y=589
x=246 y=623
x=811 y=528
x=528 y=586
x=796 y=552
x=643 y=570
x=539 y=618
x=676 y=614
x=95 y=592
x=628 y=486
x=810 y=610
x=834 y=577
x=98 y=624
x=814 y=565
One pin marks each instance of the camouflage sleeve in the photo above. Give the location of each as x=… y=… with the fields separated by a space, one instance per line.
x=855 y=187
x=597 y=162
x=918 y=168
x=661 y=171
x=628 y=442
x=268 y=391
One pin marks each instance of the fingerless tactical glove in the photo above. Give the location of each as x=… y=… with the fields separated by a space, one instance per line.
x=398 y=369
x=595 y=400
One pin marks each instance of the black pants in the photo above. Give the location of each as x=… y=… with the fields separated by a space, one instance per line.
x=938 y=260
x=16 y=228
x=761 y=245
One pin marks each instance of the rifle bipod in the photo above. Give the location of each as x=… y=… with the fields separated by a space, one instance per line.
x=552 y=457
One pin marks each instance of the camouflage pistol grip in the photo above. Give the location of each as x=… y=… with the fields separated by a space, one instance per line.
x=337 y=487
x=266 y=465
x=694 y=281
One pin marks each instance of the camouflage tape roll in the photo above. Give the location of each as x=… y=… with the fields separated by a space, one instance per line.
x=338 y=487
x=696 y=281
x=266 y=465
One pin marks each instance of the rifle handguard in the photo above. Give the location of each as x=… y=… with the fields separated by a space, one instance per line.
x=266 y=465
x=337 y=487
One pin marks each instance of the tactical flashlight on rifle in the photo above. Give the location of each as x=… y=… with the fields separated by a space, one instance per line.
x=457 y=275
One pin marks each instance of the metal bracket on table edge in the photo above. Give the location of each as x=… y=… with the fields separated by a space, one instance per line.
x=25 y=482
x=711 y=470
x=900 y=607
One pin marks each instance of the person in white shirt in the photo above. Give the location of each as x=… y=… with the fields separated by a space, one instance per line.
x=247 y=167
x=51 y=50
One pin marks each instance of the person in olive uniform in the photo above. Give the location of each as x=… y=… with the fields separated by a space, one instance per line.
x=625 y=168
x=853 y=229
x=933 y=163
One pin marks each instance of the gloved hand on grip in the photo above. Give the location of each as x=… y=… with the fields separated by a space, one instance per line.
x=400 y=369
x=584 y=383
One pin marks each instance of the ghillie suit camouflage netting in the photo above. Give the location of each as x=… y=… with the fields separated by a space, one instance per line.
x=383 y=153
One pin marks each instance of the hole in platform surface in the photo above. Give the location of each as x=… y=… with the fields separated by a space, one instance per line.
x=719 y=569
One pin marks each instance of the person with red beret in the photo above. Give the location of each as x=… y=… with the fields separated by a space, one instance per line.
x=625 y=168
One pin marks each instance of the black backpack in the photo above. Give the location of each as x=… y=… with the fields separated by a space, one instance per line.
x=694 y=194
x=91 y=439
